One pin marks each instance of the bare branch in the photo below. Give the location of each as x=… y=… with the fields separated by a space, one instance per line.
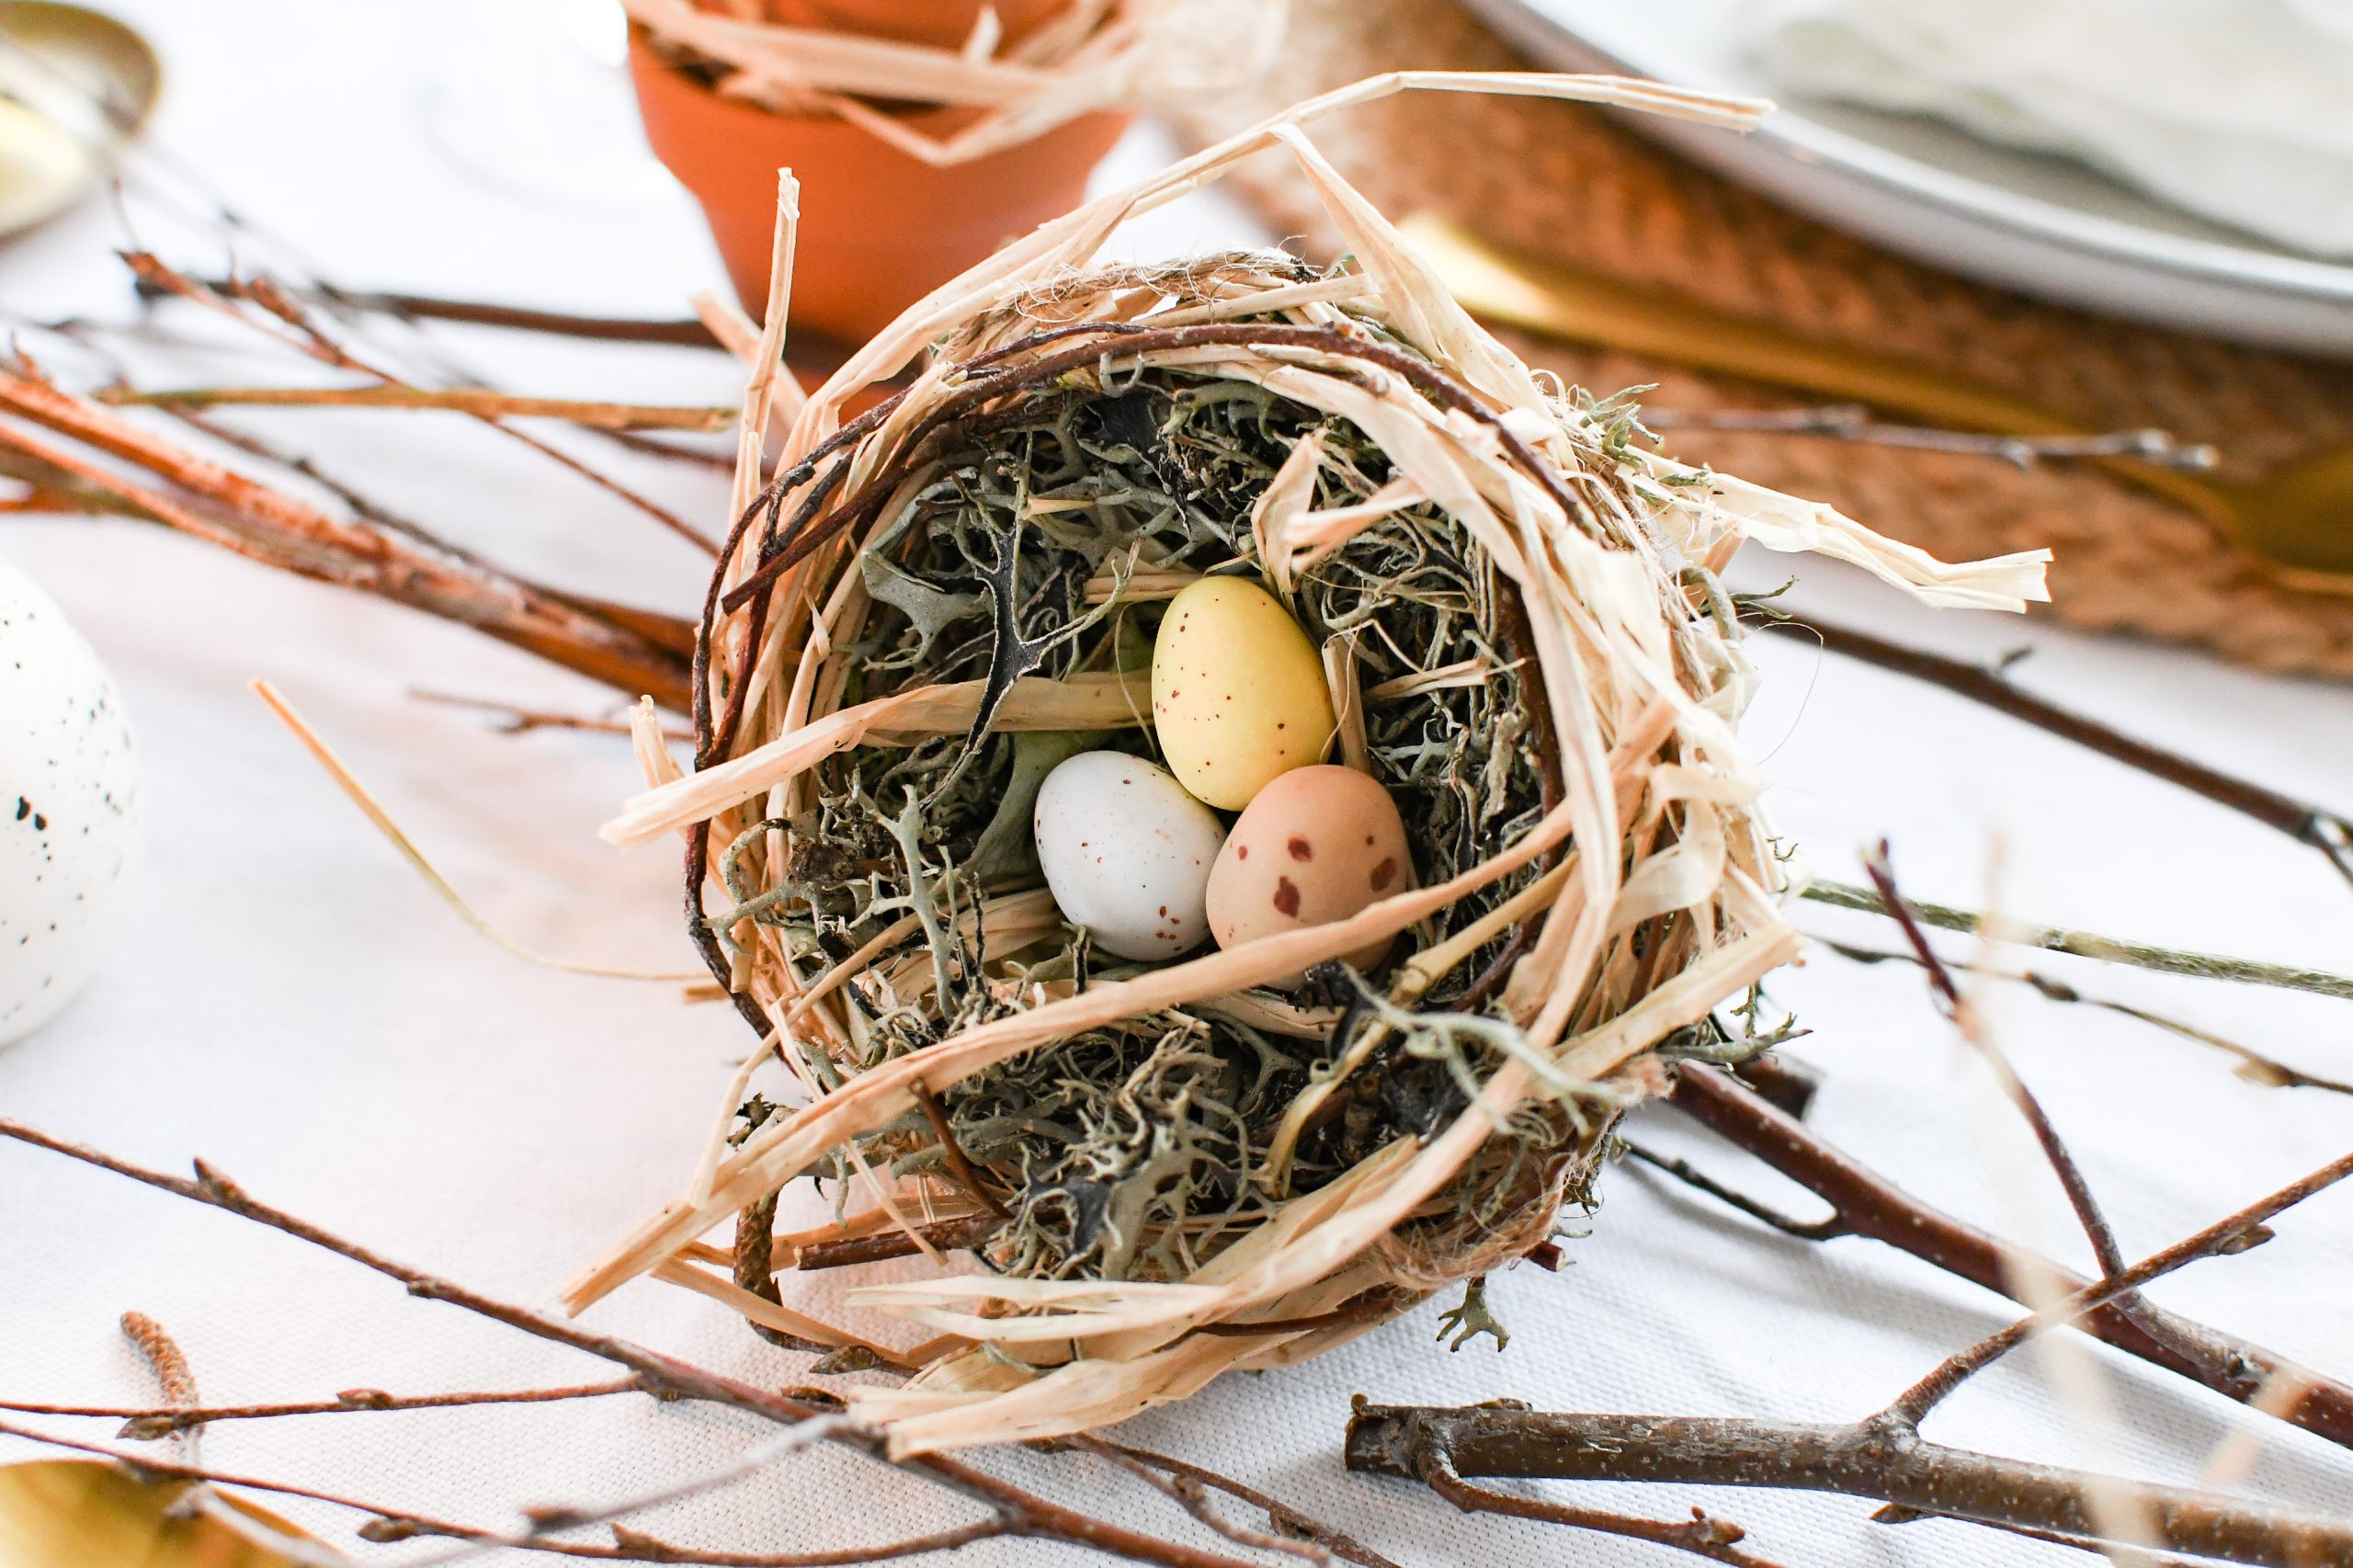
x=2104 y=1249
x=242 y=515
x=2326 y=831
x=480 y=402
x=1190 y=1496
x=1280 y=1514
x=1878 y=1459
x=393 y=1523
x=665 y=1376
x=308 y=338
x=2231 y=1234
x=2091 y=945
x=1716 y=1540
x=146 y=1423
x=1691 y=1175
x=518 y=720
x=2254 y=1066
x=1872 y=1208
x=1853 y=422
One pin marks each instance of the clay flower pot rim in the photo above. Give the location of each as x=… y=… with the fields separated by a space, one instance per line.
x=931 y=120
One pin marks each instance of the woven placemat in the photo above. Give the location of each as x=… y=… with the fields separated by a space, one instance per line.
x=1561 y=181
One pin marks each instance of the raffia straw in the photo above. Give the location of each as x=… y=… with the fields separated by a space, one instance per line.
x=1653 y=828
x=768 y=365
x=348 y=782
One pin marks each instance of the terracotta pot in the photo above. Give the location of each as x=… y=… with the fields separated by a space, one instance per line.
x=942 y=24
x=879 y=229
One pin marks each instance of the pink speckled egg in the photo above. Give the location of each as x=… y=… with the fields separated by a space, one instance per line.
x=1317 y=844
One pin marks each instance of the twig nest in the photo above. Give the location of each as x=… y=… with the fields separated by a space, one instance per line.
x=1169 y=1168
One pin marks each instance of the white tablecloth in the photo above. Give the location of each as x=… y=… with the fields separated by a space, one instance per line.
x=291 y=1003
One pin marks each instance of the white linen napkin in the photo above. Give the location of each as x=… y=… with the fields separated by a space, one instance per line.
x=2239 y=110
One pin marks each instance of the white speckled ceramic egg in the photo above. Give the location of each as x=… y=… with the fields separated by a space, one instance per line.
x=1127 y=853
x=69 y=808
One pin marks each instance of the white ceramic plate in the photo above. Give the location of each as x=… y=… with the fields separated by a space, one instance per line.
x=2043 y=226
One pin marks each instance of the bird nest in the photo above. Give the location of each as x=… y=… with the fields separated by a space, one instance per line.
x=1133 y=1177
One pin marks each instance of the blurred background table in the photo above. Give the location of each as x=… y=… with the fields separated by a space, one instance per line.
x=291 y=1003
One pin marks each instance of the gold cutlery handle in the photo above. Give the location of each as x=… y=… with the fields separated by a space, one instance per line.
x=2298 y=523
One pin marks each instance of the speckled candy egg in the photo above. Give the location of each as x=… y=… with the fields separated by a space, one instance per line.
x=1317 y=844
x=1238 y=695
x=1127 y=853
x=69 y=808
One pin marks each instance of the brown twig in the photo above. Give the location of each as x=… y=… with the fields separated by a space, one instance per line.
x=480 y=402
x=313 y=341
x=2326 y=831
x=394 y=1524
x=1878 y=866
x=1280 y=1514
x=363 y=507
x=1026 y=1514
x=685 y=331
x=1877 y=1458
x=1690 y=1175
x=808 y=351
x=239 y=514
x=2092 y=945
x=1190 y=1496
x=146 y=1423
x=654 y=447
x=1882 y=1457
x=1716 y=1540
x=951 y=1152
x=1870 y=1207
x=946 y=1235
x=2254 y=1066
x=1853 y=422
x=521 y=720
x=2229 y=1235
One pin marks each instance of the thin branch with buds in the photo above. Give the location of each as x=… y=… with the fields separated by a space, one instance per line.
x=1023 y=1513
x=1881 y=871
x=146 y=1423
x=1866 y=1205
x=1853 y=422
x=2323 y=830
x=1876 y=1457
x=2254 y=1066
x=1880 y=1457
x=478 y=402
x=2093 y=945
x=388 y=1524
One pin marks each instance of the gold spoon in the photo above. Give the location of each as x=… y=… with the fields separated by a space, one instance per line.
x=2298 y=522
x=75 y=87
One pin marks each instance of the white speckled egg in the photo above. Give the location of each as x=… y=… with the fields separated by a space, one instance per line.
x=1127 y=853
x=69 y=808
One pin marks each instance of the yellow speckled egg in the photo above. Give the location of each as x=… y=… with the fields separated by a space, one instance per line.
x=1237 y=692
x=1318 y=844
